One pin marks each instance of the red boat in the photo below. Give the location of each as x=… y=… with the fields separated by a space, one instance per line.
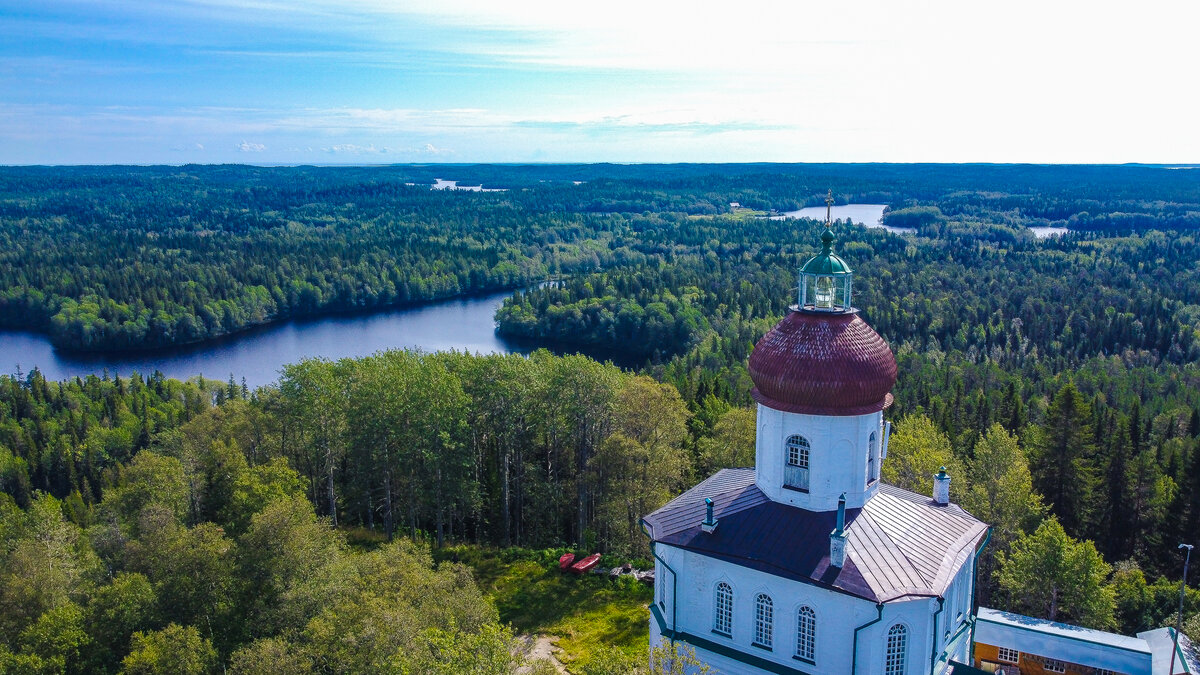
x=586 y=564
x=565 y=561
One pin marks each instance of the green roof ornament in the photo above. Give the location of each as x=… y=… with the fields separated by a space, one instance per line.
x=825 y=279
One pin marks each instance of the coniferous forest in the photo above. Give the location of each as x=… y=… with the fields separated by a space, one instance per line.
x=150 y=525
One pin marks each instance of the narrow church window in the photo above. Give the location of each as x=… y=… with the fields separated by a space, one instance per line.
x=897 y=650
x=806 y=634
x=796 y=473
x=872 y=460
x=763 y=619
x=723 y=616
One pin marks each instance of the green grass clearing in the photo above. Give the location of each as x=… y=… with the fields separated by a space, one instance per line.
x=589 y=613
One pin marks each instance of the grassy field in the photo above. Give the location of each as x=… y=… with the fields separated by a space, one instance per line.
x=736 y=214
x=591 y=614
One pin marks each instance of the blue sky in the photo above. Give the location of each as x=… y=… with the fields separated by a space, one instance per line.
x=374 y=81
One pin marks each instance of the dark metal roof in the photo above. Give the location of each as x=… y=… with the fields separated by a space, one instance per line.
x=731 y=490
x=823 y=364
x=899 y=544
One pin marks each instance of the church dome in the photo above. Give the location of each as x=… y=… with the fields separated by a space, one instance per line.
x=822 y=358
x=821 y=363
x=827 y=262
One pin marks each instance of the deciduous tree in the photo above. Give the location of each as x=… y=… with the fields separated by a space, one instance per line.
x=1050 y=575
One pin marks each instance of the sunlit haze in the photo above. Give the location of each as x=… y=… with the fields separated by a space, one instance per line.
x=370 y=81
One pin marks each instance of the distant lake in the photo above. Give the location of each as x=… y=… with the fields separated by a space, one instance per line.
x=870 y=215
x=453 y=185
x=465 y=324
x=1043 y=232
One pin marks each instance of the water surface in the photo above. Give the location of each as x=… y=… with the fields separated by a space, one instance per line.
x=1043 y=232
x=465 y=324
x=870 y=215
x=453 y=185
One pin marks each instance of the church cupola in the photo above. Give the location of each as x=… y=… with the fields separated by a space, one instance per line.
x=825 y=278
x=822 y=378
x=823 y=358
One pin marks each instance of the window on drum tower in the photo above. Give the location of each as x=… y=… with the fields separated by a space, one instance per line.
x=796 y=472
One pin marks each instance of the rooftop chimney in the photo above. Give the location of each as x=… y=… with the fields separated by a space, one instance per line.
x=710 y=523
x=837 y=538
x=941 y=488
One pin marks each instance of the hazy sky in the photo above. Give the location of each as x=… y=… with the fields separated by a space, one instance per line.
x=376 y=81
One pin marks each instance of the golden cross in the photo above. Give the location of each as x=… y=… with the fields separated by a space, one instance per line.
x=829 y=207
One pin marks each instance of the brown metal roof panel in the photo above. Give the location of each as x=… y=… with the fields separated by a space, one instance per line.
x=888 y=565
x=934 y=538
x=865 y=543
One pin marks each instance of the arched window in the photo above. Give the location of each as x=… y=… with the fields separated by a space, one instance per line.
x=806 y=634
x=897 y=651
x=872 y=460
x=796 y=472
x=764 y=618
x=723 y=609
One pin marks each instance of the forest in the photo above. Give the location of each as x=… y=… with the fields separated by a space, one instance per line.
x=1057 y=379
x=119 y=258
x=145 y=520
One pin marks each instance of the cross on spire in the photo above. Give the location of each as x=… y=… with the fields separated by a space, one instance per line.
x=829 y=208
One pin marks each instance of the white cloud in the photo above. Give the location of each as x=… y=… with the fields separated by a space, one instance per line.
x=251 y=147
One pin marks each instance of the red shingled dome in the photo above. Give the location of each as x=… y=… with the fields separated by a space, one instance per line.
x=823 y=364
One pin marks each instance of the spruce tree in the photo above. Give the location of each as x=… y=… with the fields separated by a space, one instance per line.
x=1117 y=489
x=1063 y=470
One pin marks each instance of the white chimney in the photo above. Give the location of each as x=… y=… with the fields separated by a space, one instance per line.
x=941 y=488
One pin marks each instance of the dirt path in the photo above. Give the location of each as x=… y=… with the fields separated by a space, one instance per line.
x=541 y=648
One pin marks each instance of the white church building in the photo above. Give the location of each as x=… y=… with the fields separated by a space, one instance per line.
x=808 y=563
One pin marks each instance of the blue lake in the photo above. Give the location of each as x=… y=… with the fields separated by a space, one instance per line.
x=465 y=324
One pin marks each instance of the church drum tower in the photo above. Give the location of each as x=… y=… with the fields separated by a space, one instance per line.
x=808 y=562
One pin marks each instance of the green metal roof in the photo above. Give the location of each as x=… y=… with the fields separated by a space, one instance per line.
x=827 y=262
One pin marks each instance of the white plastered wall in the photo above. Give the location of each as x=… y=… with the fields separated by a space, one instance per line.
x=837 y=614
x=839 y=446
